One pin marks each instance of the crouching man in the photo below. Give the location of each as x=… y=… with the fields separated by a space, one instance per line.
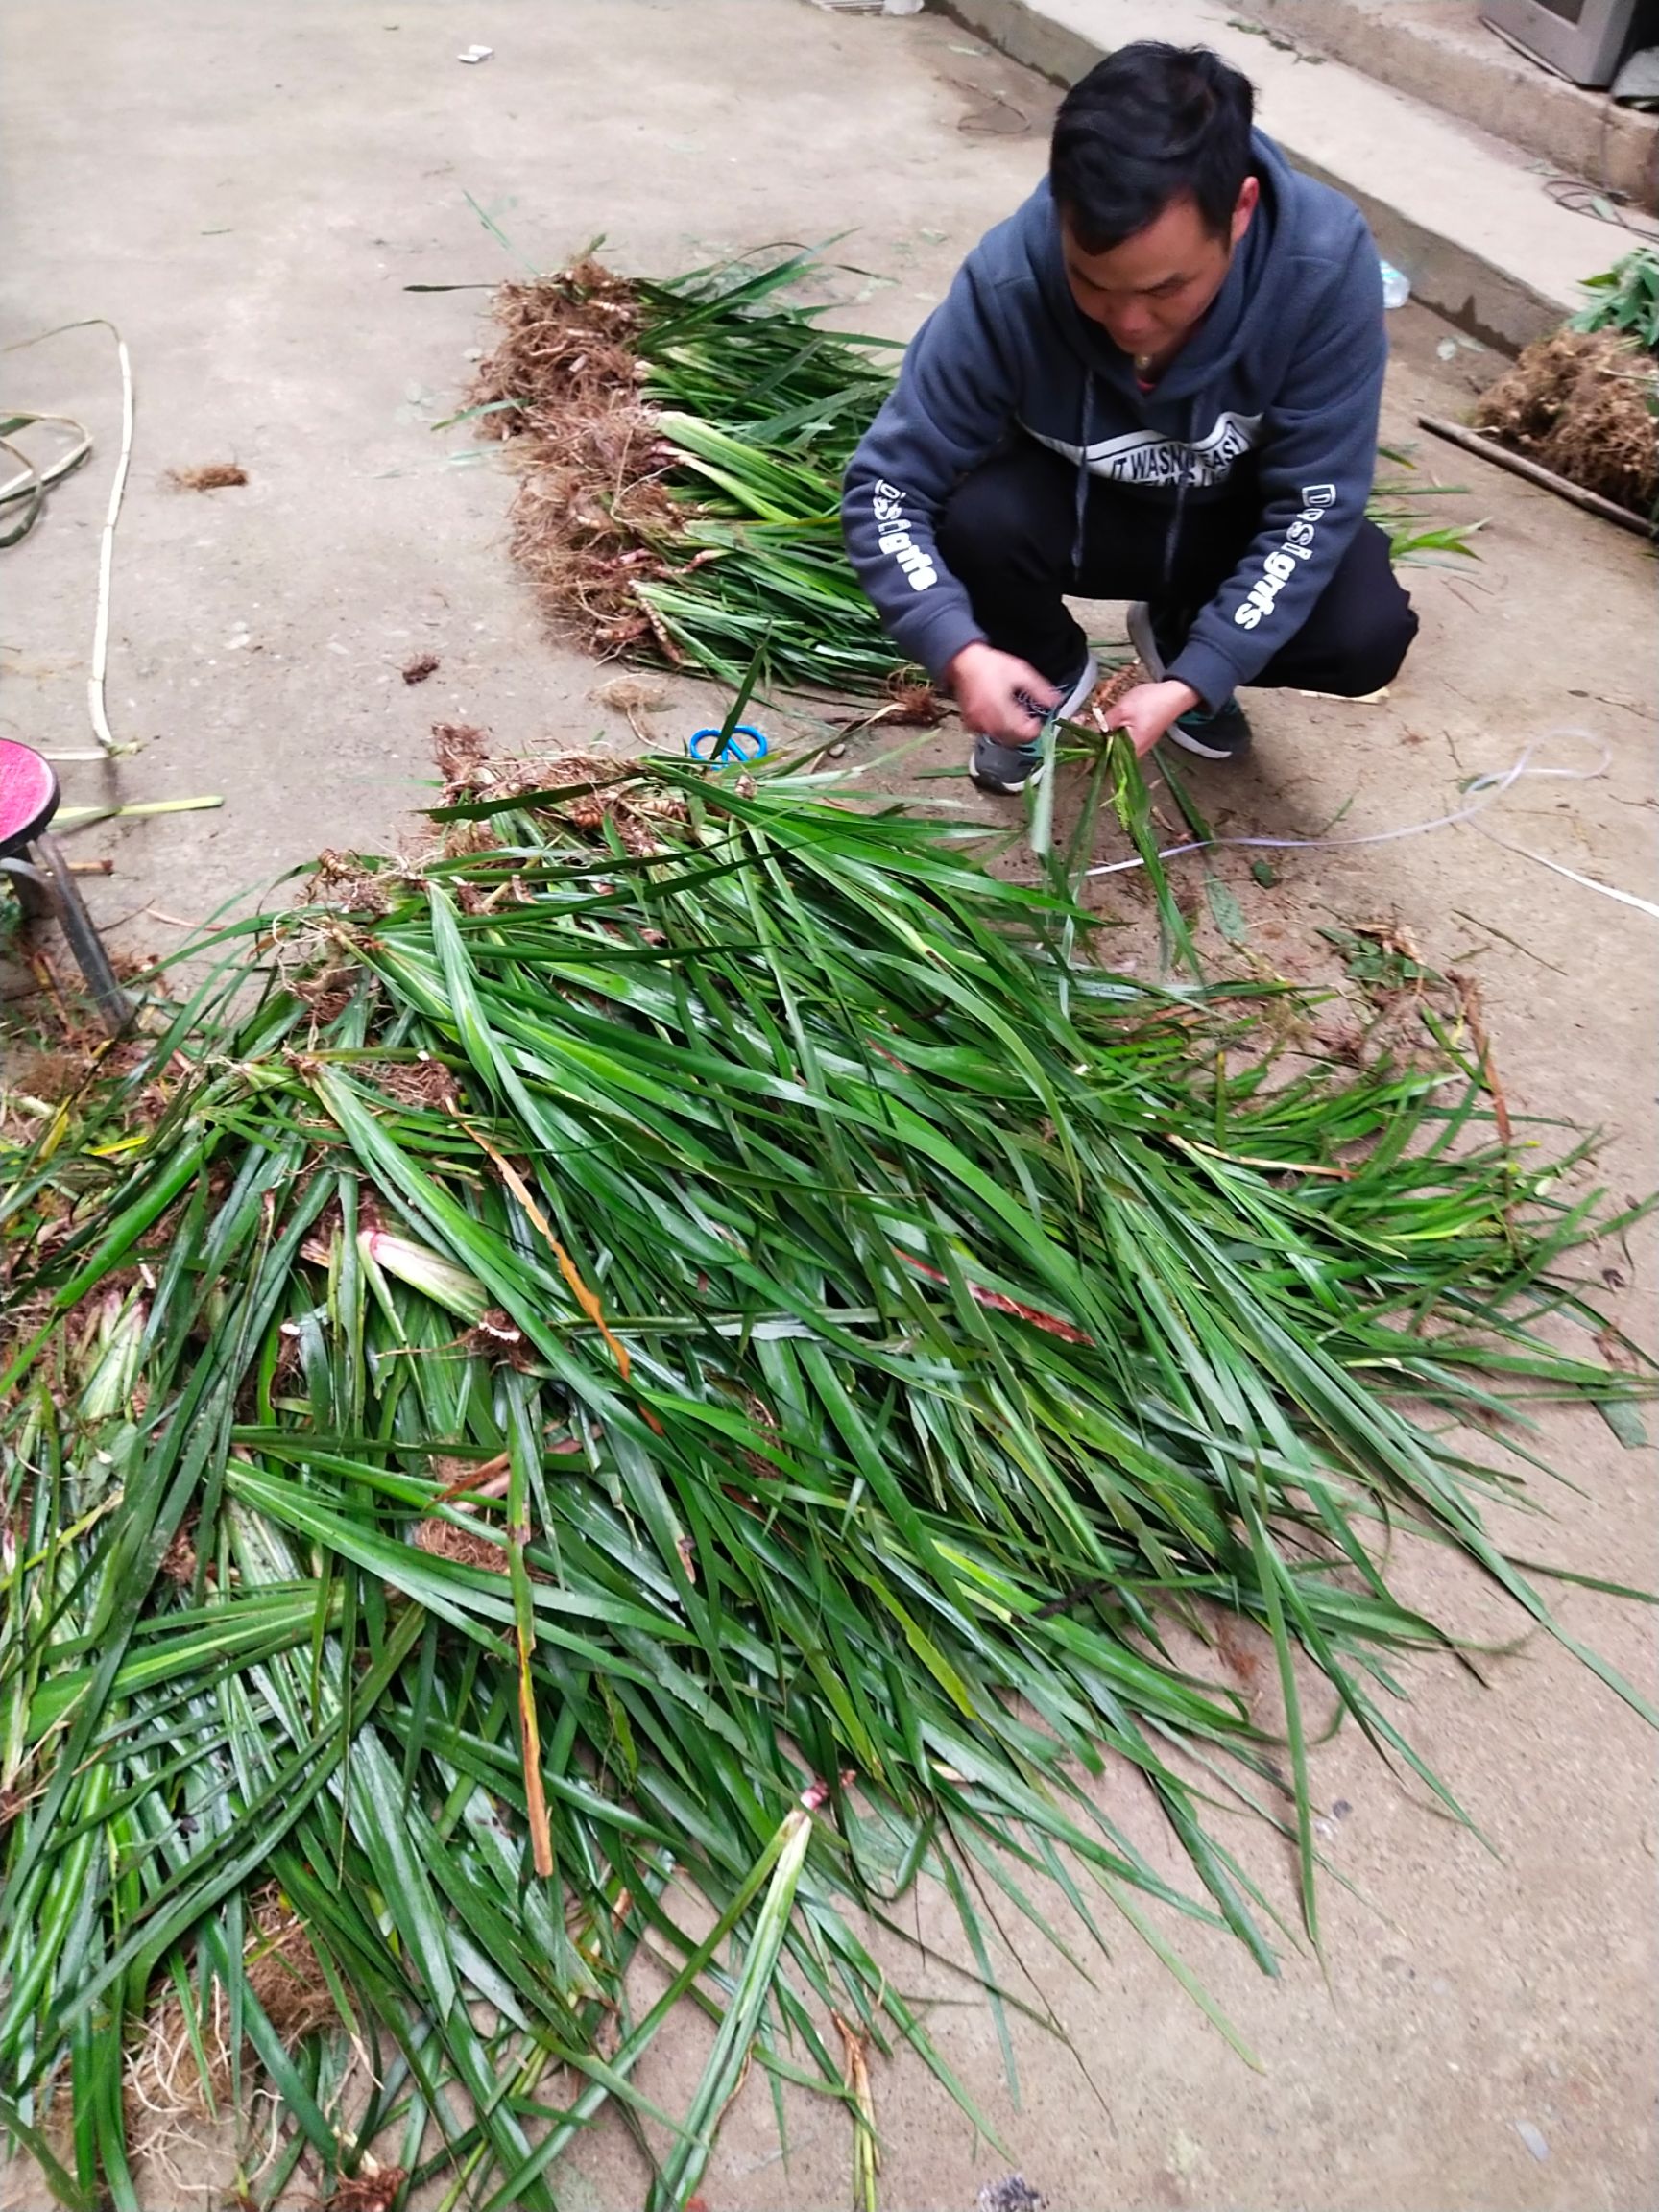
x=1157 y=381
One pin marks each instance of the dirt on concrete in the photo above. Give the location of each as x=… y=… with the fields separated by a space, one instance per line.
x=1481 y=2032
x=207 y=476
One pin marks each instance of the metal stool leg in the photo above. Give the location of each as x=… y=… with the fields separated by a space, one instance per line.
x=46 y=885
x=32 y=893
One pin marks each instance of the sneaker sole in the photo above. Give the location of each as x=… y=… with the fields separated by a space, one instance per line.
x=1081 y=692
x=1176 y=735
x=1139 y=624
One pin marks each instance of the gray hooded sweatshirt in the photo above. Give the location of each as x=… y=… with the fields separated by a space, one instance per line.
x=1282 y=379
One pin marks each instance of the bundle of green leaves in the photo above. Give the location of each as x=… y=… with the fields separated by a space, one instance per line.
x=642 y=1384
x=1625 y=299
x=683 y=443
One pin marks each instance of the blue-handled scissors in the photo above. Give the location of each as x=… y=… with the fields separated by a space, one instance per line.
x=723 y=755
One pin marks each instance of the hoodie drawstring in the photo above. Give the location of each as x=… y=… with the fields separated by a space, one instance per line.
x=1172 y=531
x=1183 y=482
x=1080 y=518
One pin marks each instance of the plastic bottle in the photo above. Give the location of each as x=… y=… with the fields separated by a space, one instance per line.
x=1396 y=286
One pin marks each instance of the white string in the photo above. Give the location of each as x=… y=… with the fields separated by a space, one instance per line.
x=109 y=748
x=101 y=728
x=1483 y=790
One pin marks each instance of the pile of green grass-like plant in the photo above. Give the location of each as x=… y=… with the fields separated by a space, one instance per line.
x=683 y=443
x=1625 y=299
x=639 y=1385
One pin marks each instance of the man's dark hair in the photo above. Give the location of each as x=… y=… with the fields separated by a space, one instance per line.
x=1150 y=124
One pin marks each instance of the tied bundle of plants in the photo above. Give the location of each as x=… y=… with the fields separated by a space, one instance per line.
x=629 y=1391
x=681 y=444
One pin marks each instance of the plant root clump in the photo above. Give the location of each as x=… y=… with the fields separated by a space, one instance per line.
x=460 y=750
x=596 y=791
x=441 y=1539
x=563 y=384
x=166 y=2083
x=563 y=336
x=915 y=703
x=1583 y=403
x=369 y=2191
x=418 y=1083
x=207 y=476
x=343 y=882
x=639 y=698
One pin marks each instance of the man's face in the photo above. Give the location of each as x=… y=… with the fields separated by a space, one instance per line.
x=1148 y=291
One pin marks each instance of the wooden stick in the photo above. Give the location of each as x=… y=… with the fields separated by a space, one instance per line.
x=1534 y=473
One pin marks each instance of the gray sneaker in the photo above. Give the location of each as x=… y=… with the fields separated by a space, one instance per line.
x=1219 y=733
x=1007 y=769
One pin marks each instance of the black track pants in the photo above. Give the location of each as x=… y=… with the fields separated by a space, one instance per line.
x=1008 y=531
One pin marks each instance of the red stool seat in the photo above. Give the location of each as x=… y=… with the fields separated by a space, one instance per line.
x=28 y=796
x=44 y=880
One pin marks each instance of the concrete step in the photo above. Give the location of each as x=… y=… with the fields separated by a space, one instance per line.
x=1462 y=212
x=1440 y=51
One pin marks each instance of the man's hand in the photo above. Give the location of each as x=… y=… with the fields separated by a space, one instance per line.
x=1147 y=712
x=987 y=687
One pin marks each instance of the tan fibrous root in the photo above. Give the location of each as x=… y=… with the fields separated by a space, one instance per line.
x=1583 y=403
x=564 y=384
x=167 y=2084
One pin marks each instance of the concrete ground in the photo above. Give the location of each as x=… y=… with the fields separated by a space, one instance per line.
x=246 y=194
